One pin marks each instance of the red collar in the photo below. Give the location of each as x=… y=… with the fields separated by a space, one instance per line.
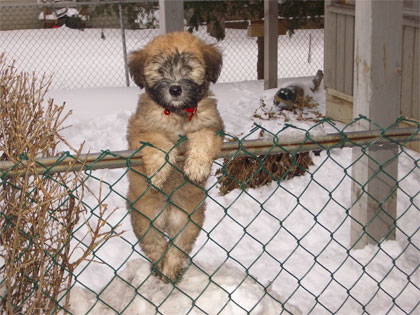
x=191 y=110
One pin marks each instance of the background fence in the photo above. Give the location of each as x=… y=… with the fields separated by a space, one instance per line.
x=284 y=247
x=98 y=50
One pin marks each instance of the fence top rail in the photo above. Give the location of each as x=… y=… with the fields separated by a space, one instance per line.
x=304 y=143
x=70 y=4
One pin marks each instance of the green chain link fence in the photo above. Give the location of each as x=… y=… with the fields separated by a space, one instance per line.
x=281 y=248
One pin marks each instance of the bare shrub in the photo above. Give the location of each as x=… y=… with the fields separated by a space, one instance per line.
x=38 y=211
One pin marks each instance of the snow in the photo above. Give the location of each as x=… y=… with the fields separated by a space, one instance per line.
x=275 y=244
x=245 y=294
x=286 y=244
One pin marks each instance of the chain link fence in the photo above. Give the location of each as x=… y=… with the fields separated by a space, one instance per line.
x=98 y=41
x=282 y=248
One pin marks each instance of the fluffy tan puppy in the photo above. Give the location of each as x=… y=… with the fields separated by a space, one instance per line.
x=175 y=117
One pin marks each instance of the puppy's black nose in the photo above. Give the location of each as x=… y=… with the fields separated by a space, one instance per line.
x=175 y=90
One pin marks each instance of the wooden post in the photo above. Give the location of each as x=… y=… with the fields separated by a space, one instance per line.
x=377 y=82
x=330 y=47
x=171 y=16
x=260 y=58
x=270 y=43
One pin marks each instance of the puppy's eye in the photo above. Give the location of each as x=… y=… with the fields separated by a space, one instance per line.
x=187 y=69
x=161 y=72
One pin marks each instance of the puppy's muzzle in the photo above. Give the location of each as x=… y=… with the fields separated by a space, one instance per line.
x=175 y=90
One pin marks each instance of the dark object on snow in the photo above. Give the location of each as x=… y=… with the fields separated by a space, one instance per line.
x=286 y=98
x=317 y=80
x=248 y=172
x=75 y=22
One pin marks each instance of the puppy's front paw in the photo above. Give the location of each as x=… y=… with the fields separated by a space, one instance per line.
x=159 y=178
x=158 y=165
x=197 y=169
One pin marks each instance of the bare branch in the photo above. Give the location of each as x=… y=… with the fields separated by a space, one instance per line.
x=38 y=213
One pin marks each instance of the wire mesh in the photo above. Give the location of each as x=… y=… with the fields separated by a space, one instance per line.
x=281 y=248
x=94 y=45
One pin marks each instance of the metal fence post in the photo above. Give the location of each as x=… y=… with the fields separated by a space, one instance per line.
x=124 y=44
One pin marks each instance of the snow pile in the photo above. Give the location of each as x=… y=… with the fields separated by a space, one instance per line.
x=62 y=13
x=134 y=291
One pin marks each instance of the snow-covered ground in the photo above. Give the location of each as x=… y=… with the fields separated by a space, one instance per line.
x=291 y=239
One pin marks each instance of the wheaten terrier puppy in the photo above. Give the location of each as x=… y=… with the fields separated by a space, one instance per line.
x=175 y=118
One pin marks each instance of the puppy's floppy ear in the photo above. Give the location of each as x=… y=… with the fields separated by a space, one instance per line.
x=136 y=63
x=213 y=59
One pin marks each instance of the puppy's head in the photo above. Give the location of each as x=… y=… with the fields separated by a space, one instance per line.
x=176 y=69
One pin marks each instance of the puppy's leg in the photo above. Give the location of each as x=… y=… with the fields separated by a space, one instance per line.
x=157 y=157
x=183 y=231
x=149 y=224
x=202 y=147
